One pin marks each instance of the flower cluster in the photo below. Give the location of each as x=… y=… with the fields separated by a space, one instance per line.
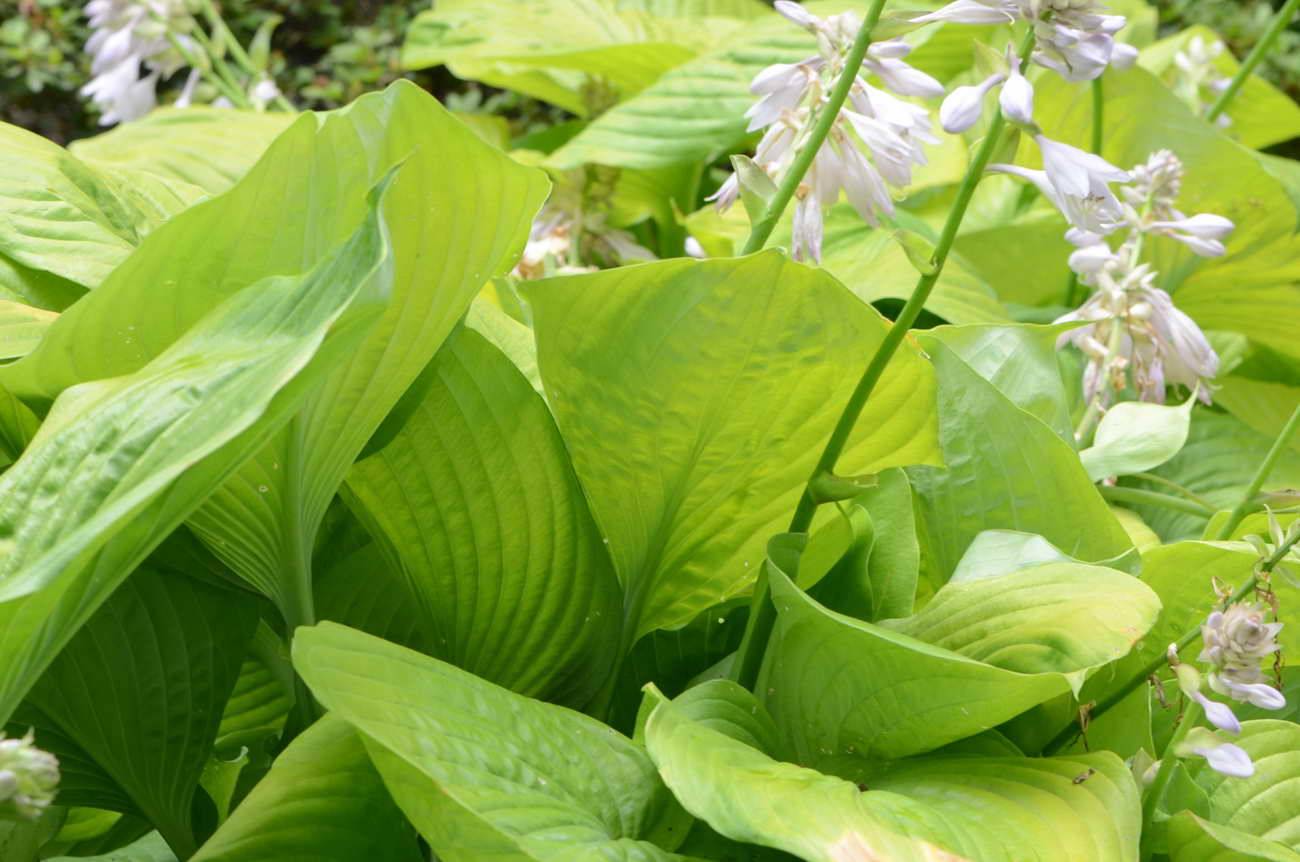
x=873 y=144
x=128 y=35
x=1137 y=334
x=29 y=778
x=1198 y=75
x=1235 y=641
x=1075 y=38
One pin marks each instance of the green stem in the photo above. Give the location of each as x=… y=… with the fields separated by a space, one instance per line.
x=1253 y=59
x=1098 y=135
x=218 y=25
x=762 y=615
x=762 y=228
x=1156 y=792
x=1155 y=498
x=1063 y=739
x=1261 y=475
x=1186 y=492
x=1093 y=414
x=230 y=91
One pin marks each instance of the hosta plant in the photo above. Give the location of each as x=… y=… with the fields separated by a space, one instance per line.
x=860 y=433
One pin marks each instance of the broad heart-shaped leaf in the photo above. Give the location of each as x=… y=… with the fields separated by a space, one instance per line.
x=140 y=690
x=450 y=232
x=952 y=809
x=1262 y=404
x=1261 y=114
x=695 y=396
x=1222 y=177
x=482 y=772
x=1006 y=470
x=67 y=223
x=1133 y=437
x=1020 y=361
x=209 y=148
x=1217 y=463
x=840 y=686
x=1001 y=552
x=554 y=48
x=120 y=463
x=322 y=800
x=478 y=502
x=1250 y=818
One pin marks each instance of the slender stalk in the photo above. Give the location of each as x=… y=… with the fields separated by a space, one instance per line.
x=1240 y=511
x=233 y=93
x=1155 y=498
x=762 y=615
x=1156 y=792
x=1168 y=483
x=1253 y=59
x=1098 y=137
x=1092 y=415
x=762 y=228
x=1063 y=739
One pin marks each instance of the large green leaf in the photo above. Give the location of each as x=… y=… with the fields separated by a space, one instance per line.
x=150 y=848
x=694 y=397
x=209 y=148
x=993 y=648
x=482 y=772
x=119 y=463
x=1222 y=177
x=1006 y=470
x=67 y=220
x=552 y=49
x=985 y=808
x=301 y=197
x=140 y=690
x=477 y=499
x=21 y=328
x=1251 y=818
x=323 y=801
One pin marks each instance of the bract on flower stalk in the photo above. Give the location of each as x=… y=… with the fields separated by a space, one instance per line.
x=873 y=144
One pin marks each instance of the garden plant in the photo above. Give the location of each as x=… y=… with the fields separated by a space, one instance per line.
x=843 y=431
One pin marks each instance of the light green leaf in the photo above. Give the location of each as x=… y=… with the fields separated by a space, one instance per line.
x=364 y=589
x=1262 y=404
x=119 y=463
x=553 y=49
x=1006 y=470
x=482 y=772
x=697 y=461
x=839 y=686
x=140 y=690
x=208 y=148
x=927 y=809
x=522 y=595
x=21 y=328
x=262 y=696
x=1133 y=437
x=1001 y=552
x=70 y=220
x=322 y=800
x=1250 y=818
x=1020 y=360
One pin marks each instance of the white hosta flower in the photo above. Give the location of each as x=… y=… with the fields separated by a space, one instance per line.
x=1076 y=38
x=29 y=778
x=263 y=93
x=1198 y=75
x=965 y=105
x=873 y=143
x=126 y=35
x=1223 y=757
x=1203 y=233
x=1078 y=183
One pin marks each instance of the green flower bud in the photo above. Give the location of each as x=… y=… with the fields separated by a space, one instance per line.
x=29 y=779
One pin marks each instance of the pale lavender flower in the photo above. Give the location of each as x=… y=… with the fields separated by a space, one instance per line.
x=1078 y=183
x=964 y=105
x=126 y=36
x=1199 y=76
x=1017 y=96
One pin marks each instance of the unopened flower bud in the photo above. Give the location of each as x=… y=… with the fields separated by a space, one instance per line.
x=29 y=779
x=964 y=105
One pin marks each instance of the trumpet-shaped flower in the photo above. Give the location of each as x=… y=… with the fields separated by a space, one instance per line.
x=127 y=35
x=1078 y=183
x=873 y=144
